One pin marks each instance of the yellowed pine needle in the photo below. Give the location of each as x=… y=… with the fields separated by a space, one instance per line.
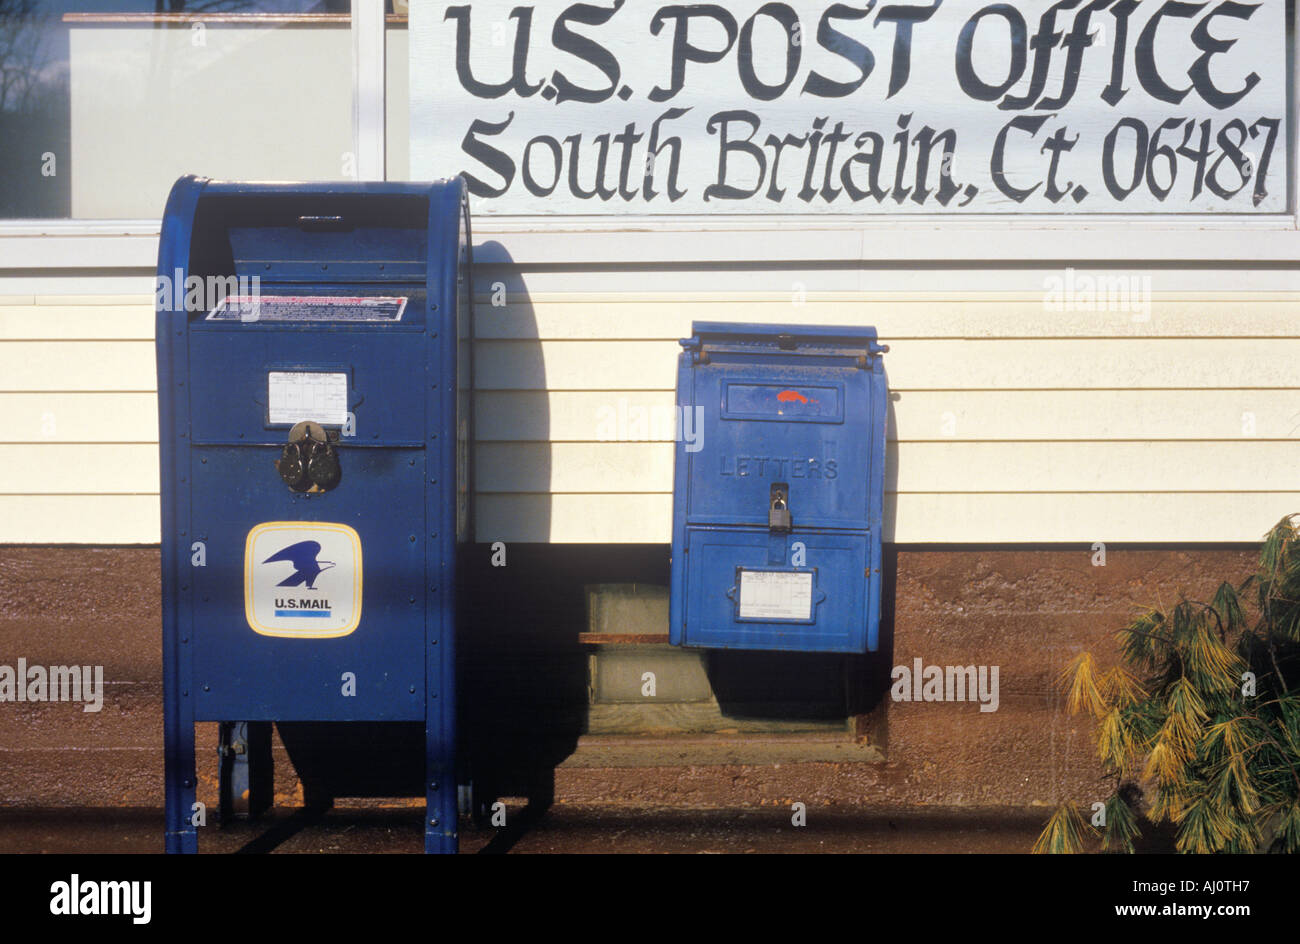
x=1115 y=741
x=1080 y=680
x=1164 y=764
x=1120 y=688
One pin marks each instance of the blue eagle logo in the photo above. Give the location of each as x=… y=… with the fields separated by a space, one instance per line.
x=307 y=567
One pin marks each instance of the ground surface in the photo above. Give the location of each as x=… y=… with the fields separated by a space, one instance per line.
x=564 y=829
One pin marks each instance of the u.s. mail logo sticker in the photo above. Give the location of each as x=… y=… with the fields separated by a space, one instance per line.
x=302 y=579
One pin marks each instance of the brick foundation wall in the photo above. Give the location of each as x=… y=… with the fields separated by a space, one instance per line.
x=524 y=686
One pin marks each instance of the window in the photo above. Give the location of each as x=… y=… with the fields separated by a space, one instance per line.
x=100 y=112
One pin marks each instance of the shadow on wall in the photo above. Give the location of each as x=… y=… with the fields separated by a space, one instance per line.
x=511 y=411
x=520 y=690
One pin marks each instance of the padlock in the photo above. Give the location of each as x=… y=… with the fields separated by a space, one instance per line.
x=309 y=462
x=292 y=466
x=323 y=466
x=778 y=510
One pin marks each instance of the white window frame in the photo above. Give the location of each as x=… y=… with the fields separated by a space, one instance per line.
x=1132 y=238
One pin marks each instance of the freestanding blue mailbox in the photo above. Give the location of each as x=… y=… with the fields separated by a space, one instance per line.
x=313 y=383
x=778 y=490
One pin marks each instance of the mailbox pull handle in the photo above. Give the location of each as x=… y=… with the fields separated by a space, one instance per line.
x=778 y=508
x=327 y=223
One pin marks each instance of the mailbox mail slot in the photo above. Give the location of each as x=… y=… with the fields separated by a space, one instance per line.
x=312 y=344
x=778 y=495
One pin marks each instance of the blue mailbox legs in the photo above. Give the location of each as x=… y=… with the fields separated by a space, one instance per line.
x=183 y=816
x=178 y=749
x=440 y=834
x=246 y=770
x=440 y=771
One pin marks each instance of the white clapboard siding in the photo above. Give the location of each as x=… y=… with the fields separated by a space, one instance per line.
x=585 y=416
x=921 y=415
x=77 y=365
x=1178 y=466
x=574 y=467
x=65 y=322
x=1008 y=421
x=1047 y=364
x=79 y=519
x=950 y=316
x=943 y=467
x=924 y=364
x=80 y=468
x=89 y=416
x=922 y=518
x=635 y=518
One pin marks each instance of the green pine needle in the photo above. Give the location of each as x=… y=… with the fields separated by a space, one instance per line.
x=1121 y=825
x=1064 y=833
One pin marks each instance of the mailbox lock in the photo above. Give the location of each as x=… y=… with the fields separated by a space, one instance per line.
x=309 y=461
x=778 y=509
x=292 y=467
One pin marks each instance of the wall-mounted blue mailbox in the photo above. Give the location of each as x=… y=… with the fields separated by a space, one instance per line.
x=778 y=491
x=313 y=350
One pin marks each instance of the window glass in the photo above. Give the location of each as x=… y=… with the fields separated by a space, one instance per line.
x=103 y=106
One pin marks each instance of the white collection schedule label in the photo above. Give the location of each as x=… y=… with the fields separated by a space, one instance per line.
x=769 y=594
x=294 y=396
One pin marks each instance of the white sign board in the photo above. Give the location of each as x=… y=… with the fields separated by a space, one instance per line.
x=775 y=594
x=297 y=395
x=938 y=107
